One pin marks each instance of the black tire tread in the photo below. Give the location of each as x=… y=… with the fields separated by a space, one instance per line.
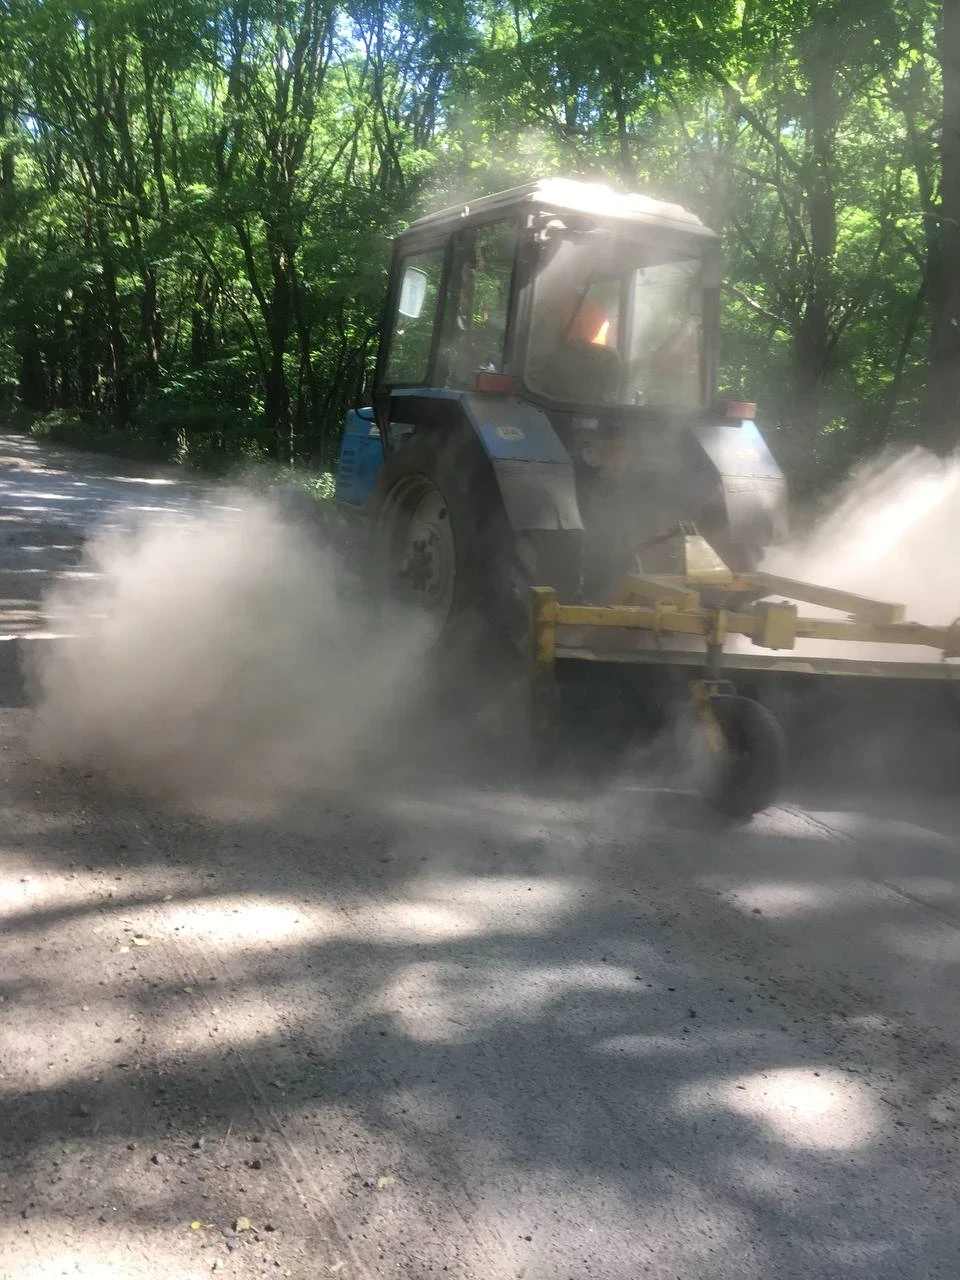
x=749 y=775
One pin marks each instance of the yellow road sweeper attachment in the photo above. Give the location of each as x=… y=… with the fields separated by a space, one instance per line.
x=697 y=619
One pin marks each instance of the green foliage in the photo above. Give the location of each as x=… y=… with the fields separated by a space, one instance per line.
x=96 y=434
x=196 y=199
x=207 y=416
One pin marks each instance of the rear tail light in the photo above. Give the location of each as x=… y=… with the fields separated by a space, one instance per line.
x=740 y=409
x=505 y=383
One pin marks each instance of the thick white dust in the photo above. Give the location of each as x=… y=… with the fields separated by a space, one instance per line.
x=218 y=655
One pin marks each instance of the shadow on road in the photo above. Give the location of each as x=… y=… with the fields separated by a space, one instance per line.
x=524 y=1011
x=440 y=1017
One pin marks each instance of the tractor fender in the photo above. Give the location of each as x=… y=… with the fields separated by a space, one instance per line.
x=533 y=470
x=752 y=487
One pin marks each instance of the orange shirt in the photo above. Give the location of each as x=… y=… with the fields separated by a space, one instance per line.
x=590 y=324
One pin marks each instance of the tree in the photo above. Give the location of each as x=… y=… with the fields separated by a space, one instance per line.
x=942 y=406
x=196 y=197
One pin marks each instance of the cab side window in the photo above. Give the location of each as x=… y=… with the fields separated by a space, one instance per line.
x=481 y=282
x=415 y=318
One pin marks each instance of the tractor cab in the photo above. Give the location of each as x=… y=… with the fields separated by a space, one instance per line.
x=575 y=297
x=548 y=366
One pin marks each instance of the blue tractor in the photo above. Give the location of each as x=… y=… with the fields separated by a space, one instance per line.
x=544 y=405
x=546 y=460
x=545 y=427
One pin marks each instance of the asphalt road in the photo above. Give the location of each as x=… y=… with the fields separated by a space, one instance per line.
x=434 y=1021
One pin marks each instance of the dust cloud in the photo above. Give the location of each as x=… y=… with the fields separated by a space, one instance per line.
x=219 y=654
x=892 y=531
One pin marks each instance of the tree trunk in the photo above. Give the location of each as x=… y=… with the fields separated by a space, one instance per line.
x=883 y=421
x=811 y=345
x=202 y=310
x=277 y=402
x=628 y=170
x=7 y=167
x=116 y=343
x=941 y=425
x=278 y=410
x=33 y=379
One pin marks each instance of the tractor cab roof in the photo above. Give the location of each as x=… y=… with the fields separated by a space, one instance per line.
x=564 y=195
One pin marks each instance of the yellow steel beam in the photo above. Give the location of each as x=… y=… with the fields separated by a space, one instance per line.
x=544 y=612
x=644 y=617
x=768 y=627
x=656 y=590
x=860 y=607
x=946 y=639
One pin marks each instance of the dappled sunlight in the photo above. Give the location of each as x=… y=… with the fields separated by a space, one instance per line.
x=655 y=1044
x=780 y=897
x=930 y=889
x=29 y=897
x=156 y=481
x=419 y=1006
x=488 y=894
x=870 y=827
x=566 y=1021
x=424 y=922
x=257 y=923
x=186 y=1031
x=434 y=912
x=98 y=1028
x=926 y=941
x=95 y=1037
x=869 y=1022
x=43 y=547
x=437 y=1001
x=111 y=1250
x=465 y=907
x=814 y=1109
x=121 y=1014
x=34 y=495
x=250 y=921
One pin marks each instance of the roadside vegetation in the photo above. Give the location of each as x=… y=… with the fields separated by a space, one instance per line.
x=197 y=198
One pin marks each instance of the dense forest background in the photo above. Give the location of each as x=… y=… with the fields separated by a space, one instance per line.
x=196 y=198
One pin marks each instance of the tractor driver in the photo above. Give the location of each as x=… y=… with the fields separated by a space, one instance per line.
x=586 y=323
x=573 y=355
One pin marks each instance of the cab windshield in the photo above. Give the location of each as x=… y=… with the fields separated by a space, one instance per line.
x=617 y=321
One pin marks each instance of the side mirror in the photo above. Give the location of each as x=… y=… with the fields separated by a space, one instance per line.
x=413 y=293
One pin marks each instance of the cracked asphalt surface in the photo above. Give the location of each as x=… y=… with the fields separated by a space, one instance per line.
x=443 y=1023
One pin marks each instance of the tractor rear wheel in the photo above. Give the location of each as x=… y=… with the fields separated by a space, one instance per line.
x=437 y=535
x=443 y=546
